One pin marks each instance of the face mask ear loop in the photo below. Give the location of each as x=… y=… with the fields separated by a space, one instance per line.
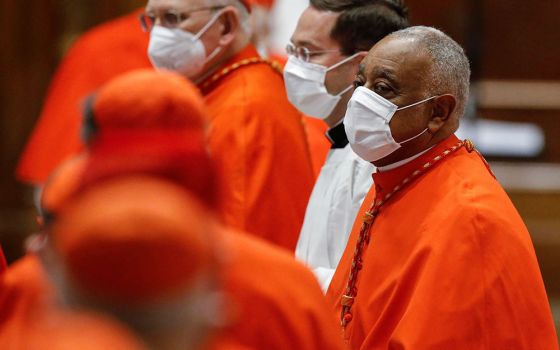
x=413 y=137
x=345 y=90
x=343 y=61
x=208 y=25
x=416 y=103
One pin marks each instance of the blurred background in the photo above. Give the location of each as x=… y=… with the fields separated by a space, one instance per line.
x=514 y=115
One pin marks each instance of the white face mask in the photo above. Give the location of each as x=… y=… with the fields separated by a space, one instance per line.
x=179 y=50
x=305 y=87
x=367 y=124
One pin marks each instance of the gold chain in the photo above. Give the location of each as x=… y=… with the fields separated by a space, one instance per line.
x=367 y=222
x=277 y=67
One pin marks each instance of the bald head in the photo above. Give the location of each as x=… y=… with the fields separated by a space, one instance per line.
x=449 y=71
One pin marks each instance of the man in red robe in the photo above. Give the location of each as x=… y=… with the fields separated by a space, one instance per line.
x=98 y=55
x=255 y=135
x=438 y=258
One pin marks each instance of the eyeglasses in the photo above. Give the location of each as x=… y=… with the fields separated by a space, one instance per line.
x=170 y=18
x=303 y=53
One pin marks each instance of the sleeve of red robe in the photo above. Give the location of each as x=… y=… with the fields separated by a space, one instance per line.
x=261 y=149
x=100 y=54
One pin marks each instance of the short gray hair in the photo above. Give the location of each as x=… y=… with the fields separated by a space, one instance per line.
x=450 y=71
x=244 y=14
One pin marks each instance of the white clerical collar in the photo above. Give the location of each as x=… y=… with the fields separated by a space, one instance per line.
x=402 y=162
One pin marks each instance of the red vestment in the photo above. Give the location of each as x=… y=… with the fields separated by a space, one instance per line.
x=449 y=264
x=100 y=54
x=258 y=141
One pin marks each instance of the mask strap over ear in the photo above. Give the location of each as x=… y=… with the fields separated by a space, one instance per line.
x=343 y=61
x=416 y=103
x=208 y=25
x=348 y=88
x=413 y=137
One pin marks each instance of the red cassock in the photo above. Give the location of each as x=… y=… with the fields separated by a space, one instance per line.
x=99 y=55
x=3 y=264
x=258 y=141
x=449 y=263
x=24 y=295
x=265 y=284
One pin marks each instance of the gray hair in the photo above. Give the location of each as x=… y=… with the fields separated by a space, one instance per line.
x=244 y=16
x=450 y=70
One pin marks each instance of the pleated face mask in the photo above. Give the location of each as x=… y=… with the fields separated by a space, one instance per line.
x=367 y=124
x=179 y=50
x=305 y=87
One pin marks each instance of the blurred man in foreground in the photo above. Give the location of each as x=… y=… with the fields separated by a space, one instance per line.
x=275 y=302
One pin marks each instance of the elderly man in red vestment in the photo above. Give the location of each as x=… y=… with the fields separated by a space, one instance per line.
x=255 y=135
x=438 y=258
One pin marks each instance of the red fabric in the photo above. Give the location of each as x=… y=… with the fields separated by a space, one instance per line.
x=97 y=56
x=3 y=264
x=277 y=302
x=24 y=294
x=29 y=319
x=258 y=141
x=65 y=330
x=450 y=265
x=103 y=246
x=145 y=99
x=264 y=3
x=178 y=155
x=319 y=145
x=61 y=185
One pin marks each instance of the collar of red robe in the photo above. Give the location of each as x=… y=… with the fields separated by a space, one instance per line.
x=245 y=57
x=387 y=180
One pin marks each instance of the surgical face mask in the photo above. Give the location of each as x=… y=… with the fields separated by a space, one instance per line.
x=179 y=50
x=367 y=124
x=305 y=87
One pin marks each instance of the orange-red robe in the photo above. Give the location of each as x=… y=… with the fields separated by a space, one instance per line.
x=449 y=265
x=30 y=319
x=277 y=301
x=259 y=143
x=24 y=294
x=319 y=145
x=3 y=263
x=97 y=56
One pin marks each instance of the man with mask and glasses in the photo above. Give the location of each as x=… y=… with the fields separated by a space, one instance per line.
x=438 y=258
x=255 y=135
x=330 y=40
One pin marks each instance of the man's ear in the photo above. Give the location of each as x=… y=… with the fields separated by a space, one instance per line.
x=231 y=25
x=443 y=108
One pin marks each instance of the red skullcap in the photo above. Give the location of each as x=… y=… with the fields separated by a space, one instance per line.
x=179 y=156
x=134 y=240
x=148 y=99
